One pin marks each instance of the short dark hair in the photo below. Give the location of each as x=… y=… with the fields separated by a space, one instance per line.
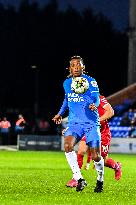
x=77 y=57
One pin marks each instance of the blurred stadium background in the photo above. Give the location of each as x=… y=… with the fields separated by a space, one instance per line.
x=41 y=134
x=36 y=45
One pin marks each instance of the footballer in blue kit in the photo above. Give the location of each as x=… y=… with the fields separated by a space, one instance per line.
x=83 y=119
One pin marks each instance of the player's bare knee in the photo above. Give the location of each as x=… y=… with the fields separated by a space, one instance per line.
x=68 y=147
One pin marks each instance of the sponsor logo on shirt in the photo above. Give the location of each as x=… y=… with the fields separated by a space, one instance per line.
x=73 y=97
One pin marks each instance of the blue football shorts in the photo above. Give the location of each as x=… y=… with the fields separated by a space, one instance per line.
x=92 y=133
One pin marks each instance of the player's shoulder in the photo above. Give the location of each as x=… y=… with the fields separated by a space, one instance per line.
x=67 y=81
x=90 y=78
x=91 y=81
x=102 y=97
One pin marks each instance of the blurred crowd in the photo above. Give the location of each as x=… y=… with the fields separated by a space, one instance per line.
x=10 y=129
x=129 y=119
x=124 y=125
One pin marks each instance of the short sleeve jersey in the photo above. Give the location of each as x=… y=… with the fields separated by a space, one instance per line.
x=78 y=104
x=101 y=110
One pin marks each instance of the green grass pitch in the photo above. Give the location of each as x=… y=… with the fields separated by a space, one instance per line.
x=39 y=178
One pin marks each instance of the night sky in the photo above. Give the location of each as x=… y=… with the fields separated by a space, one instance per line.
x=26 y=41
x=115 y=10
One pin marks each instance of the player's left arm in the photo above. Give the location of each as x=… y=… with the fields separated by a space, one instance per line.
x=95 y=95
x=109 y=112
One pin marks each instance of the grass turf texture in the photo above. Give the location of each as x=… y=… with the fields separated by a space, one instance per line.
x=39 y=178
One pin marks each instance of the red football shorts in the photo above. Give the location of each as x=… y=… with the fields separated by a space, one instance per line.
x=105 y=143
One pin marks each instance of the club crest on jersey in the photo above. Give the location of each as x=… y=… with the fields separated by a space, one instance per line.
x=94 y=83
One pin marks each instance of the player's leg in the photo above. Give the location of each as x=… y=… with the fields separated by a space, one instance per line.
x=99 y=166
x=73 y=182
x=89 y=158
x=71 y=156
x=109 y=162
x=93 y=139
x=82 y=147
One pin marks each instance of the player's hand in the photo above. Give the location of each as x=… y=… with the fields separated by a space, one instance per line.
x=57 y=119
x=92 y=107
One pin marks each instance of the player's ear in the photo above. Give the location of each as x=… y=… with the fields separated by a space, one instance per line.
x=69 y=69
x=83 y=68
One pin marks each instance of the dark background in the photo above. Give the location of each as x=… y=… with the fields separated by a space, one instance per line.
x=36 y=44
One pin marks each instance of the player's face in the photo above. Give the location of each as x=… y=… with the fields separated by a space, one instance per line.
x=76 y=67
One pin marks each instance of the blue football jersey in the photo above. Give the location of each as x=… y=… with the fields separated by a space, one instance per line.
x=78 y=104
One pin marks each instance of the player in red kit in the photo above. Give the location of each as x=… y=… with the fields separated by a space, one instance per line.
x=105 y=112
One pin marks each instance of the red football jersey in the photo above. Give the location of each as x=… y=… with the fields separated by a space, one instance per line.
x=105 y=130
x=104 y=124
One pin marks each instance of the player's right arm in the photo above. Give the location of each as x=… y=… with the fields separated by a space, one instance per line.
x=58 y=118
x=109 y=112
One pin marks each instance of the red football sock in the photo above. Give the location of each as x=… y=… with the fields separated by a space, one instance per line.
x=111 y=163
x=80 y=160
x=89 y=156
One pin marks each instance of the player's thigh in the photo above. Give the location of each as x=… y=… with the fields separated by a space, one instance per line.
x=105 y=145
x=70 y=140
x=93 y=135
x=75 y=131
